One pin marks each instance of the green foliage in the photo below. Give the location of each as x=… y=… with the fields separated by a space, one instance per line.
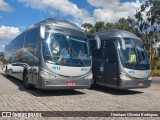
x=87 y=26
x=155 y=73
x=150 y=25
x=147 y=29
x=99 y=26
x=156 y=63
x=2 y=57
x=123 y=24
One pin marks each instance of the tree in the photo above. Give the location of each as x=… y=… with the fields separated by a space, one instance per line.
x=149 y=26
x=87 y=26
x=99 y=26
x=2 y=58
x=123 y=24
x=109 y=26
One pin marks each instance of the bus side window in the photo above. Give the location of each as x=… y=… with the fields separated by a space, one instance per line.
x=30 y=39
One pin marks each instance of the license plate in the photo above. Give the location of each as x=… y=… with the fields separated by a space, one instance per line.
x=71 y=83
x=141 y=84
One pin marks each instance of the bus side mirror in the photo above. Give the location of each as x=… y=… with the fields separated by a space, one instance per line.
x=42 y=31
x=98 y=42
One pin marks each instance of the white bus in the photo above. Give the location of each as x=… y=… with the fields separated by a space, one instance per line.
x=54 y=54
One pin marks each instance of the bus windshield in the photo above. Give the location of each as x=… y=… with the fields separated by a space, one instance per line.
x=66 y=50
x=133 y=55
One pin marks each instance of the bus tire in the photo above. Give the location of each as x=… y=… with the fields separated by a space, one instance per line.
x=27 y=85
x=93 y=85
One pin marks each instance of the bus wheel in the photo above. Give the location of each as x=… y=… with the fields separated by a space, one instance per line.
x=93 y=85
x=26 y=84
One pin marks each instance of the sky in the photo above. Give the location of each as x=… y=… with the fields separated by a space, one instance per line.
x=17 y=15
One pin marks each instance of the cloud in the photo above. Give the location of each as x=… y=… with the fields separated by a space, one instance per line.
x=22 y=28
x=103 y=3
x=2 y=46
x=113 y=10
x=5 y=6
x=8 y=32
x=105 y=10
x=64 y=7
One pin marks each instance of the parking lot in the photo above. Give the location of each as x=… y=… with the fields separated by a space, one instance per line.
x=13 y=97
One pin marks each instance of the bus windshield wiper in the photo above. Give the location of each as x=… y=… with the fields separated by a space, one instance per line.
x=81 y=62
x=143 y=63
x=48 y=61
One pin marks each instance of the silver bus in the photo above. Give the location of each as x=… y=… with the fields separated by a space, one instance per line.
x=51 y=54
x=121 y=62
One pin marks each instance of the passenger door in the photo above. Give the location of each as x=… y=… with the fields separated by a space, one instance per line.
x=111 y=64
x=98 y=65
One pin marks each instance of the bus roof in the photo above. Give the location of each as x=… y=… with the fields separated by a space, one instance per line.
x=57 y=22
x=116 y=33
x=60 y=22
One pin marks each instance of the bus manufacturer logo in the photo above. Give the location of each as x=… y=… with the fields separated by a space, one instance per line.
x=83 y=69
x=56 y=68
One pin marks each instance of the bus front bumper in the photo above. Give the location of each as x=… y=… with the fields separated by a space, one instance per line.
x=61 y=83
x=131 y=84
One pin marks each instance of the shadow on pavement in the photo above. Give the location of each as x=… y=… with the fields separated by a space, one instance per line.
x=42 y=93
x=115 y=91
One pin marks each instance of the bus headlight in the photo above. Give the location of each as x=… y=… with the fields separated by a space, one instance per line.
x=150 y=78
x=46 y=75
x=124 y=77
x=90 y=76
